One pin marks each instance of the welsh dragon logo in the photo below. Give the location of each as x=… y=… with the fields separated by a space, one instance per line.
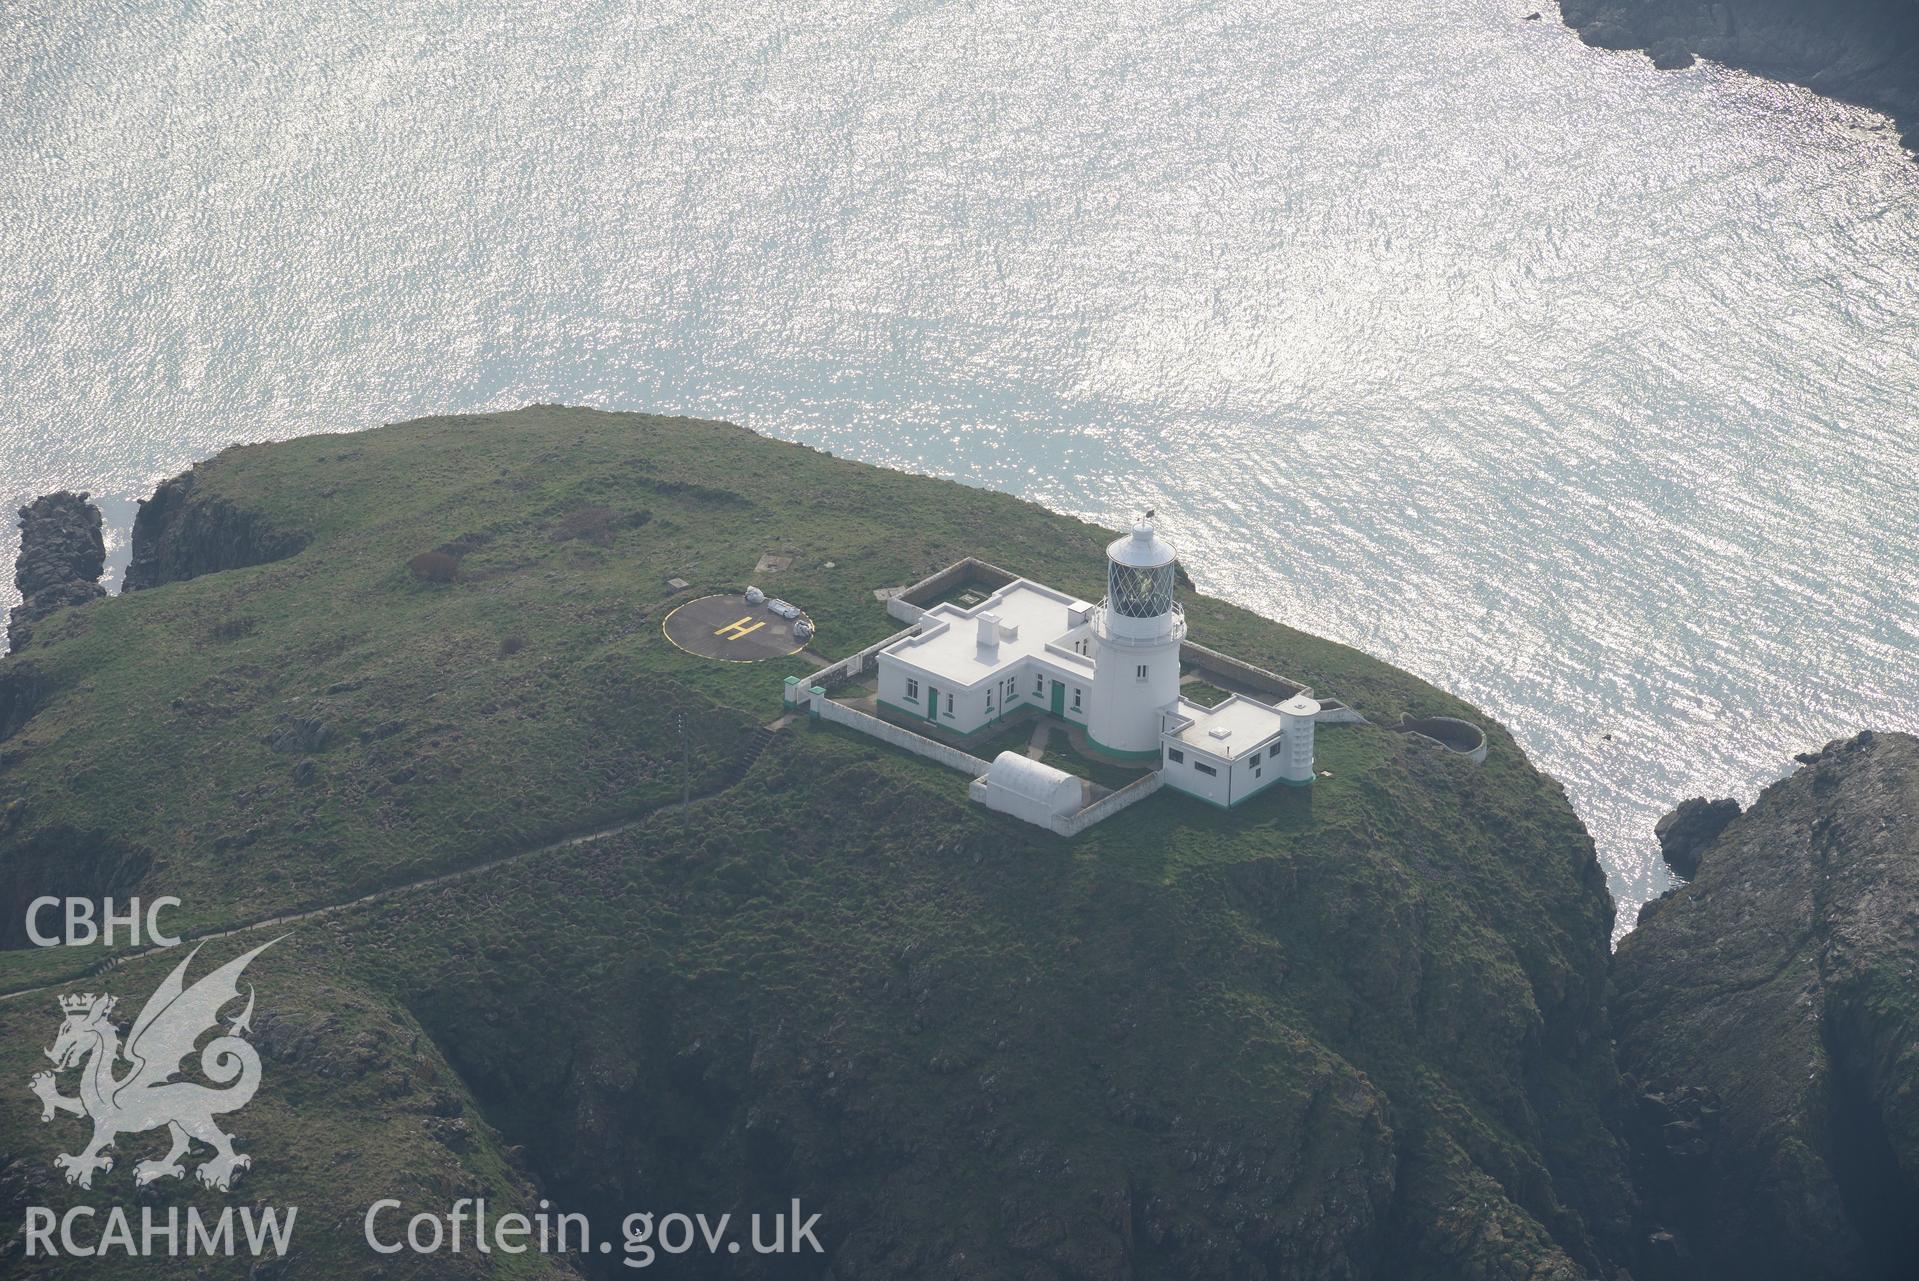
x=146 y=1096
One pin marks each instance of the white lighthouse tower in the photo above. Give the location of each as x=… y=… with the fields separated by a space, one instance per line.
x=1139 y=628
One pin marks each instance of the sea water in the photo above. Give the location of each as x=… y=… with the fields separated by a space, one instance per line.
x=1583 y=390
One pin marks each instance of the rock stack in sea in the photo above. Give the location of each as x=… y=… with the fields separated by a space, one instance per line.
x=62 y=555
x=1693 y=825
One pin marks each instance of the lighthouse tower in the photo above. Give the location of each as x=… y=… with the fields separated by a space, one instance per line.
x=1139 y=628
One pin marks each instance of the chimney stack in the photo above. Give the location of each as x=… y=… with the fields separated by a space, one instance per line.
x=989 y=634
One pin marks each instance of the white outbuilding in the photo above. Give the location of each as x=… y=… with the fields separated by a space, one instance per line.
x=1029 y=789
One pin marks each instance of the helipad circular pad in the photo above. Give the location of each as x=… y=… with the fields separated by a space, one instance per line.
x=727 y=628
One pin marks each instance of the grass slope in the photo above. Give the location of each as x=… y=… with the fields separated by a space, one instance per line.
x=1342 y=1034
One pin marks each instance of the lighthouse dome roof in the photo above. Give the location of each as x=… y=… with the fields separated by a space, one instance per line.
x=1141 y=549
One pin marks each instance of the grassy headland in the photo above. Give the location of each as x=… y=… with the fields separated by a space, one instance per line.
x=1340 y=1034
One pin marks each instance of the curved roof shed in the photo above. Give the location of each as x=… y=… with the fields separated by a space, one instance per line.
x=1029 y=790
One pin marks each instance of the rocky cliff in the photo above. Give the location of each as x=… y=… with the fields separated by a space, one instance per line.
x=62 y=554
x=1863 y=51
x=182 y=532
x=1768 y=1017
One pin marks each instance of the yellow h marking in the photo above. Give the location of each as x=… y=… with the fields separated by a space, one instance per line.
x=738 y=629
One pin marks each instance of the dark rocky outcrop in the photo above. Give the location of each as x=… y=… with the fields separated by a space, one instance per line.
x=62 y=862
x=1685 y=833
x=296 y=734
x=1766 y=1016
x=182 y=532
x=1670 y=55
x=62 y=554
x=23 y=689
x=1863 y=51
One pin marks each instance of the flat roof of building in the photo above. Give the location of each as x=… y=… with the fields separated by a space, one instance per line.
x=1039 y=615
x=1248 y=724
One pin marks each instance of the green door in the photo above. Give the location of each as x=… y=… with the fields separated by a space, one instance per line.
x=1059 y=698
x=932 y=703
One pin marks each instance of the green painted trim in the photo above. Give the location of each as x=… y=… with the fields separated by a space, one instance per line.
x=1174 y=787
x=1114 y=751
x=998 y=722
x=1226 y=805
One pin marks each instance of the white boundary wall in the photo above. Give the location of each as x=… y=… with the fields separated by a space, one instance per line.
x=953 y=758
x=1108 y=805
x=845 y=669
x=967 y=568
x=918 y=744
x=1192 y=651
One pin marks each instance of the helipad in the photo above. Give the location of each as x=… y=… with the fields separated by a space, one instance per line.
x=727 y=628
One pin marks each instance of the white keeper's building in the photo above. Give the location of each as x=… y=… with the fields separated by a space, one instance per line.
x=1111 y=668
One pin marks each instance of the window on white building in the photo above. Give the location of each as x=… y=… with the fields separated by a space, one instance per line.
x=1142 y=671
x=1176 y=756
x=1039 y=684
x=949 y=704
x=1206 y=769
x=912 y=688
x=1076 y=698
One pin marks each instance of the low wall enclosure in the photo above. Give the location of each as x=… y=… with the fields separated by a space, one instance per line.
x=982 y=643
